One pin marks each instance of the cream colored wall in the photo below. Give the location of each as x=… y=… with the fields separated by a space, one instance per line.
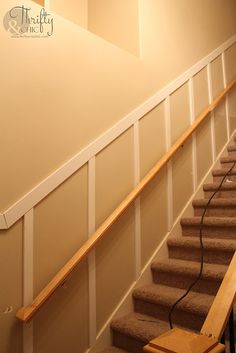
x=114 y=179
x=62 y=325
x=115 y=266
x=11 y=288
x=83 y=85
x=64 y=209
x=153 y=216
x=59 y=102
x=117 y=21
x=179 y=112
x=73 y=10
x=230 y=56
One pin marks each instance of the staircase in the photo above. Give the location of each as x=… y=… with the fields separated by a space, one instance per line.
x=172 y=276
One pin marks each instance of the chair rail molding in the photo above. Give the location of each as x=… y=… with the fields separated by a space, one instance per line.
x=39 y=192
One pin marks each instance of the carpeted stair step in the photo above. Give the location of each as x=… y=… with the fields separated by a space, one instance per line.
x=216 y=251
x=156 y=300
x=134 y=331
x=112 y=349
x=180 y=274
x=213 y=227
x=228 y=190
x=232 y=150
x=227 y=162
x=218 y=175
x=218 y=207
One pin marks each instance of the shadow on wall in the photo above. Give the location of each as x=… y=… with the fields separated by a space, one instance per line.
x=116 y=21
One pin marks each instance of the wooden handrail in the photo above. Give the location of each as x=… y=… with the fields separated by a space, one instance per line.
x=27 y=313
x=217 y=318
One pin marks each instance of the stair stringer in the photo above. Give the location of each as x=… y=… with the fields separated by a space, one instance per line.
x=125 y=306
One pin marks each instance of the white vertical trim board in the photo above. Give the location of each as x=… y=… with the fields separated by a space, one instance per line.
x=226 y=98
x=3 y=223
x=169 y=164
x=210 y=98
x=137 y=206
x=33 y=197
x=194 y=143
x=92 y=257
x=28 y=280
x=224 y=69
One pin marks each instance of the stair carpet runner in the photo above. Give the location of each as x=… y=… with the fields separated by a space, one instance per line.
x=171 y=277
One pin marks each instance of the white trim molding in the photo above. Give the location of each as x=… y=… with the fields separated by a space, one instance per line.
x=28 y=277
x=3 y=223
x=38 y=193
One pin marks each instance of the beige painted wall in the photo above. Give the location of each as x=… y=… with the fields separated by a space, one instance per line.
x=77 y=85
x=55 y=115
x=73 y=10
x=117 y=21
x=11 y=288
x=152 y=140
x=179 y=112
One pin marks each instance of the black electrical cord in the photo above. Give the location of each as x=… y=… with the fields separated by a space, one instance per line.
x=201 y=249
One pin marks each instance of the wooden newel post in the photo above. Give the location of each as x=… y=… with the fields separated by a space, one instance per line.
x=181 y=341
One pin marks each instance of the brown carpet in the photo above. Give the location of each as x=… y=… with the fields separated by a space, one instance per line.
x=172 y=276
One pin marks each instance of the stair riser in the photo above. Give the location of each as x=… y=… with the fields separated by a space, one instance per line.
x=180 y=317
x=127 y=343
x=210 y=232
x=218 y=178
x=221 y=194
x=227 y=165
x=232 y=153
x=208 y=286
x=193 y=254
x=216 y=211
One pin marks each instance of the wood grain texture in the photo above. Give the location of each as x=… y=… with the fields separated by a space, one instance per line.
x=27 y=313
x=181 y=341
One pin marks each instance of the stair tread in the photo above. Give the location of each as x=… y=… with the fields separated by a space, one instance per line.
x=140 y=327
x=222 y=171
x=224 y=186
x=183 y=267
x=112 y=349
x=195 y=302
x=228 y=159
x=193 y=242
x=231 y=148
x=220 y=202
x=209 y=221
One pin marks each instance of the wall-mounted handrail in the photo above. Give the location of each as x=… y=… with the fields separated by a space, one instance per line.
x=27 y=313
x=218 y=315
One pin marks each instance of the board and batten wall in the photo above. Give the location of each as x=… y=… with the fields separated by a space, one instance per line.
x=61 y=221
